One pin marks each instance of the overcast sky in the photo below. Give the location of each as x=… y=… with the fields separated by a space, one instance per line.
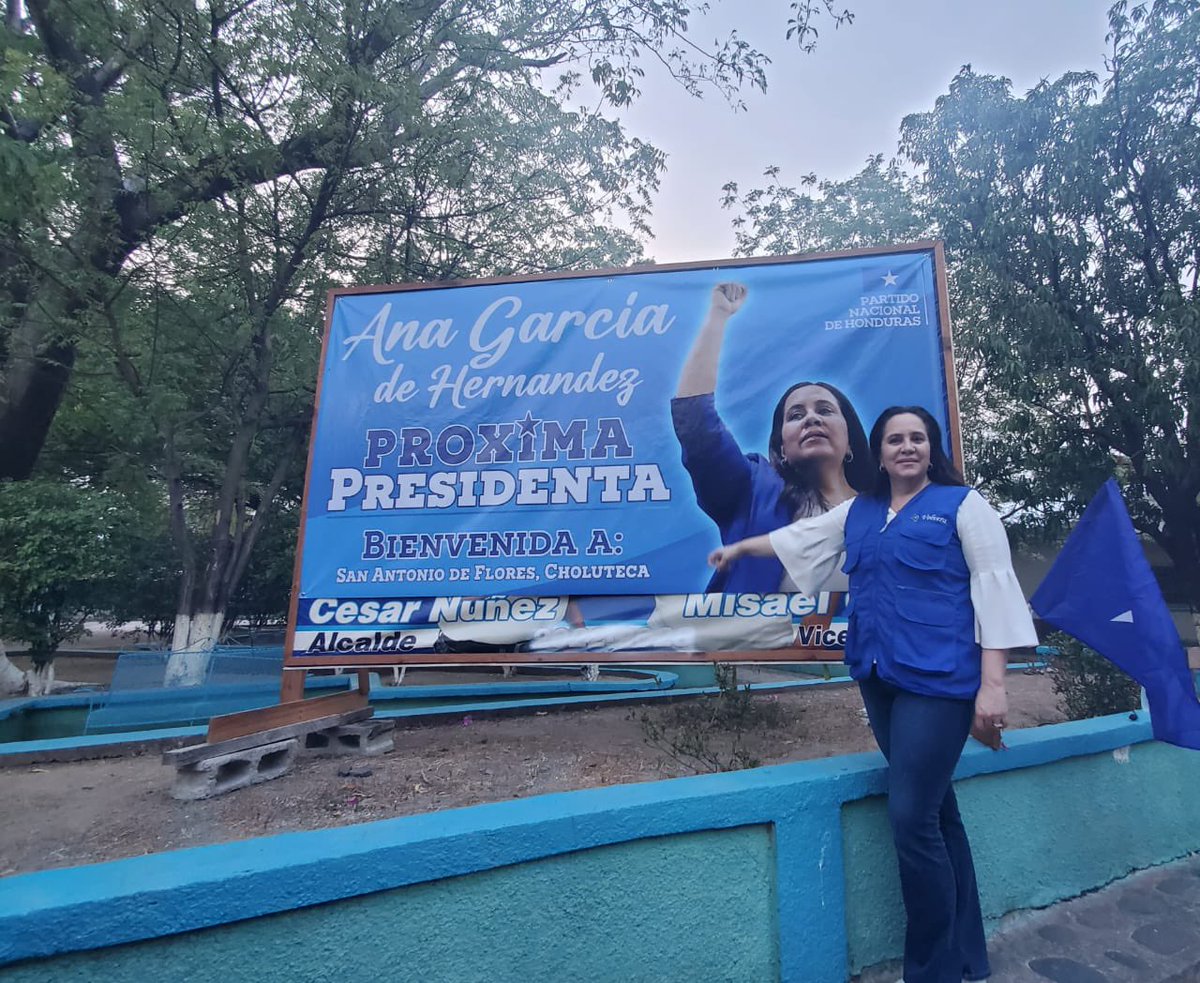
x=828 y=111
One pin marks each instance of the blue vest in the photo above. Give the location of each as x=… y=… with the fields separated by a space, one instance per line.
x=910 y=612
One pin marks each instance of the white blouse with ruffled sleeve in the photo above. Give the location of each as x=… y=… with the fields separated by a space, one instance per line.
x=812 y=549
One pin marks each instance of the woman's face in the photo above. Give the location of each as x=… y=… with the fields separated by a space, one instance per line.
x=904 y=452
x=814 y=428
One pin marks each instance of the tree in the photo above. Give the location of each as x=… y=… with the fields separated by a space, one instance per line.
x=1072 y=216
x=211 y=330
x=62 y=549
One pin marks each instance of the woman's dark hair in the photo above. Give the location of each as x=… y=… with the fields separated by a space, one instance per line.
x=801 y=493
x=941 y=469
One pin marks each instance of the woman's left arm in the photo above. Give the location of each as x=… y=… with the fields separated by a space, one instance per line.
x=1002 y=619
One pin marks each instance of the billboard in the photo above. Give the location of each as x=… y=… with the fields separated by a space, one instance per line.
x=537 y=469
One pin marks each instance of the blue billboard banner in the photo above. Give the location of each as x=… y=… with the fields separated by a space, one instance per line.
x=584 y=442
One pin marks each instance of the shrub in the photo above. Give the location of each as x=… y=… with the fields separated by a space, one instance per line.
x=1087 y=684
x=710 y=733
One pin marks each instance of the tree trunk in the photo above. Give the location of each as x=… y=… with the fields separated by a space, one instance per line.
x=34 y=379
x=38 y=681
x=191 y=648
x=41 y=679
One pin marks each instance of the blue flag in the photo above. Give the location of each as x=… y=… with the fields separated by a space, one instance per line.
x=1101 y=590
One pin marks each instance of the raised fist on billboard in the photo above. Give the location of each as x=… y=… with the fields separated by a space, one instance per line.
x=727 y=298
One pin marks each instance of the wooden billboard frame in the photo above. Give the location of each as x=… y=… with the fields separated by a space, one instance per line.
x=295 y=666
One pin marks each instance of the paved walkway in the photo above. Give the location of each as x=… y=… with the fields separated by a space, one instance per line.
x=1144 y=928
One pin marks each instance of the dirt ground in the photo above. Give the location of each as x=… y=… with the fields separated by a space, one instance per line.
x=63 y=814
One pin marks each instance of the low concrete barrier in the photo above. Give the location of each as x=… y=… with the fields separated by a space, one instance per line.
x=783 y=872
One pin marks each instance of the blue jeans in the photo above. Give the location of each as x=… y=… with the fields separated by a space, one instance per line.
x=922 y=738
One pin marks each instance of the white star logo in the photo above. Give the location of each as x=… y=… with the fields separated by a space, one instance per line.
x=890 y=279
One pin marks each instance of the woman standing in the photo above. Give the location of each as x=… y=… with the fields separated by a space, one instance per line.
x=935 y=605
x=818 y=454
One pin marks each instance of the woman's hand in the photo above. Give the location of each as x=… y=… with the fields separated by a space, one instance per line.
x=699 y=374
x=991 y=705
x=727 y=298
x=722 y=557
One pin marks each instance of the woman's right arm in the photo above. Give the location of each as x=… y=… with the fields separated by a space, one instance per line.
x=809 y=549
x=751 y=546
x=699 y=375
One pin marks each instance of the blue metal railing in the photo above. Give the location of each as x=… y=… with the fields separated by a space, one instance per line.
x=230 y=679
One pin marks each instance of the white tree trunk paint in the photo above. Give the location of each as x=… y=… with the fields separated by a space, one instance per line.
x=179 y=640
x=28 y=682
x=41 y=680
x=13 y=681
x=194 y=639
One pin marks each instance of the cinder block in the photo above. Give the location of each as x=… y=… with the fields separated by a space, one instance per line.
x=226 y=772
x=371 y=737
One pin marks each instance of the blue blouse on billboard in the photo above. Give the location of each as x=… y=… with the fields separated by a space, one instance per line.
x=741 y=493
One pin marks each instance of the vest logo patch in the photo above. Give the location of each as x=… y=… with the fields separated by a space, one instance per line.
x=930 y=517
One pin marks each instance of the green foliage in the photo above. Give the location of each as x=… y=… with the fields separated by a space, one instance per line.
x=711 y=733
x=876 y=207
x=145 y=585
x=63 y=551
x=1087 y=684
x=262 y=597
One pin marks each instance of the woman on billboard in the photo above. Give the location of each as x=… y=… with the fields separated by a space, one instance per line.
x=818 y=455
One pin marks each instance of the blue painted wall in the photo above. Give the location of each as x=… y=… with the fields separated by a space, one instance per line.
x=774 y=873
x=656 y=910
